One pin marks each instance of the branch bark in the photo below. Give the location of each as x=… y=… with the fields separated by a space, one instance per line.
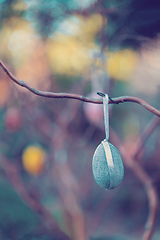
x=80 y=97
x=141 y=174
x=144 y=137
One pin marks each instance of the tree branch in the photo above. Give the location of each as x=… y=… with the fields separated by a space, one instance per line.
x=80 y=97
x=142 y=175
x=144 y=137
x=13 y=175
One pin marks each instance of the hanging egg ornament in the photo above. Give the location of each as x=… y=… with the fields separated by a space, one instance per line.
x=107 y=165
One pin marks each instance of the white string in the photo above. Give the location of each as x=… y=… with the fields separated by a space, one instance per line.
x=110 y=163
x=106 y=115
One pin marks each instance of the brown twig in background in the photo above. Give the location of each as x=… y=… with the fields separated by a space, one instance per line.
x=12 y=173
x=80 y=97
x=68 y=188
x=147 y=182
x=144 y=136
x=67 y=192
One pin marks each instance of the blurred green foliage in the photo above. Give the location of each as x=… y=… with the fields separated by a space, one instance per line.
x=129 y=24
x=8 y=10
x=46 y=16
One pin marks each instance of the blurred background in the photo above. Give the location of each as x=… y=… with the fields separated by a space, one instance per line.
x=47 y=189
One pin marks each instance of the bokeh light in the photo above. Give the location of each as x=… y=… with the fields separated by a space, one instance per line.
x=33 y=159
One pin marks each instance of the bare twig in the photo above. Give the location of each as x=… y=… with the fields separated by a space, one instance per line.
x=12 y=173
x=80 y=97
x=144 y=136
x=146 y=181
x=68 y=193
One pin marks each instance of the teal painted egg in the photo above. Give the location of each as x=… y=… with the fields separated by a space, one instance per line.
x=107 y=166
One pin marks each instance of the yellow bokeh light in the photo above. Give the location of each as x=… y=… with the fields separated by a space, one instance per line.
x=71 y=54
x=89 y=27
x=19 y=6
x=67 y=55
x=17 y=40
x=121 y=64
x=33 y=159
